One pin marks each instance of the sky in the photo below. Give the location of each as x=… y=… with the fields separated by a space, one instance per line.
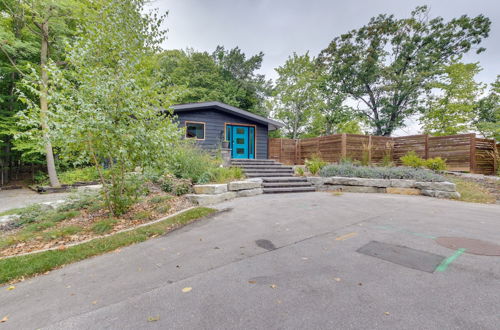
x=280 y=27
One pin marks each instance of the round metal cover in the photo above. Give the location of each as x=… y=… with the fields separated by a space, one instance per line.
x=474 y=246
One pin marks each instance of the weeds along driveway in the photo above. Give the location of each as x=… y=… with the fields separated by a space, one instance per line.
x=279 y=261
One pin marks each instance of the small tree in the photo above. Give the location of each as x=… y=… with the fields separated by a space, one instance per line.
x=452 y=109
x=487 y=110
x=106 y=107
x=296 y=94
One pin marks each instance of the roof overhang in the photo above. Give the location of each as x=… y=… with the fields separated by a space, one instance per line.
x=271 y=124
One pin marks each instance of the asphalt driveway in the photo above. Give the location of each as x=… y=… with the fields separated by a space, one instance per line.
x=288 y=261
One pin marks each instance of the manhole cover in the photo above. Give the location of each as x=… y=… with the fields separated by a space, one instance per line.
x=402 y=255
x=474 y=246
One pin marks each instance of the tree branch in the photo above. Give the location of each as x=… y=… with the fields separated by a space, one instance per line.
x=12 y=61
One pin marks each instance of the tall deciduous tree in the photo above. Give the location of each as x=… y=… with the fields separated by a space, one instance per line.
x=296 y=95
x=225 y=75
x=452 y=109
x=488 y=113
x=36 y=27
x=386 y=64
x=106 y=104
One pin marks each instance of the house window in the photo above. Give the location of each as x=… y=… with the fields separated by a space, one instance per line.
x=195 y=130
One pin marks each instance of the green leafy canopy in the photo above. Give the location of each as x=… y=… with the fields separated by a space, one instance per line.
x=386 y=64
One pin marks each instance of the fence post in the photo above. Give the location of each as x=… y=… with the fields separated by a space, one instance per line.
x=343 y=149
x=299 y=148
x=494 y=154
x=472 y=153
x=268 y=148
x=369 y=149
x=295 y=161
x=426 y=146
x=281 y=147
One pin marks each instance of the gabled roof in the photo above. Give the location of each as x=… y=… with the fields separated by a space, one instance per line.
x=271 y=124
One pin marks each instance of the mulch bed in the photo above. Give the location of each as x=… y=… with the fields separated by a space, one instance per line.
x=87 y=219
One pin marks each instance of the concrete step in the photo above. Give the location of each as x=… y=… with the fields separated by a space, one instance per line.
x=254 y=162
x=267 y=175
x=265 y=166
x=284 y=179
x=288 y=190
x=285 y=184
x=269 y=170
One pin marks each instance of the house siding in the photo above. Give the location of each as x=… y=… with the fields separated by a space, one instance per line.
x=214 y=124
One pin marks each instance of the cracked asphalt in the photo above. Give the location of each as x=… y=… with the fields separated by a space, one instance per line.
x=285 y=261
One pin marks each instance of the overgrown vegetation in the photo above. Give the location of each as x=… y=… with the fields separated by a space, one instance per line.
x=351 y=170
x=315 y=164
x=72 y=176
x=413 y=160
x=25 y=266
x=472 y=192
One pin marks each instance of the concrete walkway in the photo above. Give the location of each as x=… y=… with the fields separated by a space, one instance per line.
x=286 y=261
x=15 y=198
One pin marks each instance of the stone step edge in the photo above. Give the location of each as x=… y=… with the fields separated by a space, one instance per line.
x=288 y=189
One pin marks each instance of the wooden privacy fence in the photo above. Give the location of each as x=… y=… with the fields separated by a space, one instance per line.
x=463 y=152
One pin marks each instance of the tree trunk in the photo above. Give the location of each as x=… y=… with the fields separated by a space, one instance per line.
x=49 y=155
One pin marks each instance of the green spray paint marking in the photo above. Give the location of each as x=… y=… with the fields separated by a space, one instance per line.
x=446 y=262
x=418 y=234
x=402 y=230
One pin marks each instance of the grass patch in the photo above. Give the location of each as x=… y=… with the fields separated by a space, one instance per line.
x=142 y=215
x=12 y=211
x=163 y=208
x=103 y=226
x=473 y=192
x=56 y=216
x=23 y=266
x=62 y=232
x=160 y=199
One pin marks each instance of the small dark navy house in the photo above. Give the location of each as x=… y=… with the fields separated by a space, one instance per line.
x=212 y=123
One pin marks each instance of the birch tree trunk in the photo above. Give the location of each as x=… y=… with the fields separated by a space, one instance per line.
x=49 y=155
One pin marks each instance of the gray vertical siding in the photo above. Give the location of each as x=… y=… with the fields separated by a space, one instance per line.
x=214 y=124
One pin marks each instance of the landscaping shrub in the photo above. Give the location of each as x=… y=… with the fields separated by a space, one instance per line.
x=71 y=176
x=41 y=177
x=350 y=170
x=160 y=199
x=190 y=162
x=222 y=175
x=124 y=193
x=436 y=164
x=412 y=159
x=299 y=171
x=171 y=184
x=315 y=164
x=85 y=174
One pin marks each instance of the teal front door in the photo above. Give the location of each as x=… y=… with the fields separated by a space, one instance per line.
x=241 y=141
